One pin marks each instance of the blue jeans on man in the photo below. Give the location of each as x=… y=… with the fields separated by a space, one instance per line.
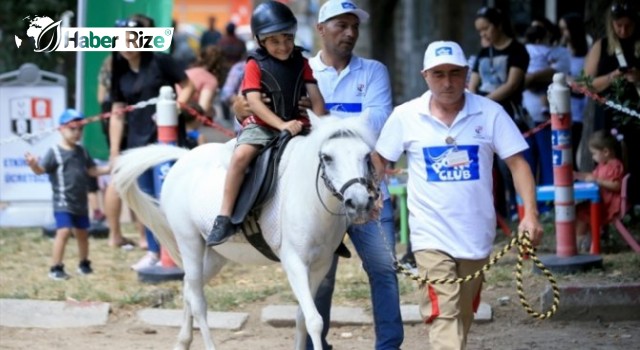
x=147 y=184
x=377 y=252
x=543 y=156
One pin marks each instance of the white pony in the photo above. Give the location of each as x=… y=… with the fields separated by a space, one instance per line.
x=320 y=175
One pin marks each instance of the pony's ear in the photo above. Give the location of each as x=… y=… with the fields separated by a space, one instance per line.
x=313 y=118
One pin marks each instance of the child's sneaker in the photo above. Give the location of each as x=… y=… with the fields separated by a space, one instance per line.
x=57 y=273
x=84 y=268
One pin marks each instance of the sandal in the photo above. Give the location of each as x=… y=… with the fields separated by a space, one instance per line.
x=125 y=244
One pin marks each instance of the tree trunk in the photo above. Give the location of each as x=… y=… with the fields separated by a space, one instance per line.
x=381 y=28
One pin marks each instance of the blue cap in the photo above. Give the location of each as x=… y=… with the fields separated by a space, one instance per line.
x=70 y=115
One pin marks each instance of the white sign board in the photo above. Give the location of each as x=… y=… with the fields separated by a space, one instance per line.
x=31 y=110
x=27 y=110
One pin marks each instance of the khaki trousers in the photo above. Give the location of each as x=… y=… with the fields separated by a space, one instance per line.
x=448 y=308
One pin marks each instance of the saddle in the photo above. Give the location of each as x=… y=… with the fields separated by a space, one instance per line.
x=259 y=183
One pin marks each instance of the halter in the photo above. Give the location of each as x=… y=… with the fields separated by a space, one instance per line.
x=369 y=181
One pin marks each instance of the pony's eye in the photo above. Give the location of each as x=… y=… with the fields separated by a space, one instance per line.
x=326 y=158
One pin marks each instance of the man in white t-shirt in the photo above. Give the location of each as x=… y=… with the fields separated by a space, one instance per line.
x=450 y=137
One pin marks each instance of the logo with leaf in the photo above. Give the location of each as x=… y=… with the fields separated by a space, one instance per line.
x=44 y=31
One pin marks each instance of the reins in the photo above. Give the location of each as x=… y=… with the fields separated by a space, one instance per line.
x=525 y=248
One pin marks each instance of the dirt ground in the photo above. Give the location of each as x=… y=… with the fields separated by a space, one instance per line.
x=511 y=328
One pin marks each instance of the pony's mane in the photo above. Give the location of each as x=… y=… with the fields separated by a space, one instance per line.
x=329 y=127
x=325 y=129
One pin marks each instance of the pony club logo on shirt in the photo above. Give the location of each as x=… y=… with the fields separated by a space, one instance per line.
x=439 y=169
x=348 y=6
x=445 y=50
x=360 y=89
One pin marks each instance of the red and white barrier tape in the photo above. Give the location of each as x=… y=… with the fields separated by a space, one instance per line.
x=601 y=100
x=536 y=129
x=152 y=101
x=47 y=132
x=206 y=121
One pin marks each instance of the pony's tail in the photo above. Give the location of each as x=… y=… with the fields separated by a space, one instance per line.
x=129 y=166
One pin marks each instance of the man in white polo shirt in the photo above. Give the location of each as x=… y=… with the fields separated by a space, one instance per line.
x=450 y=137
x=349 y=85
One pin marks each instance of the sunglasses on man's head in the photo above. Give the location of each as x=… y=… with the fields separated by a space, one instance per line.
x=621 y=8
x=486 y=11
x=129 y=23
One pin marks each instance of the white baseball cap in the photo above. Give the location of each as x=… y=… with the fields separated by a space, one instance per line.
x=333 y=8
x=444 y=52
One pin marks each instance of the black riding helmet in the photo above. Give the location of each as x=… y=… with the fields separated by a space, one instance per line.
x=272 y=17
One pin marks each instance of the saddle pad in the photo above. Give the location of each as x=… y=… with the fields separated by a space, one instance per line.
x=261 y=179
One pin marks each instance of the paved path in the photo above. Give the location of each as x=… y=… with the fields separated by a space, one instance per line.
x=59 y=314
x=619 y=302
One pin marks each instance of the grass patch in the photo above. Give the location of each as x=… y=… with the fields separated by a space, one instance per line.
x=135 y=298
x=26 y=259
x=500 y=274
x=237 y=298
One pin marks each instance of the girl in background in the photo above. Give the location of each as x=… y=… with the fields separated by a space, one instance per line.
x=608 y=176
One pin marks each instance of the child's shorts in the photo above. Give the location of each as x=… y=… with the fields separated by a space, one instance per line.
x=93 y=184
x=254 y=134
x=67 y=220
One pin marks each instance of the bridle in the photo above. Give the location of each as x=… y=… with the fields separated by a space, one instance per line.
x=369 y=181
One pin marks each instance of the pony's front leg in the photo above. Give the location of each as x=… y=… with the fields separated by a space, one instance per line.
x=301 y=331
x=309 y=320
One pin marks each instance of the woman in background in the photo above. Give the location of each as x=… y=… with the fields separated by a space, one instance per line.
x=498 y=74
x=138 y=76
x=204 y=74
x=574 y=38
x=613 y=63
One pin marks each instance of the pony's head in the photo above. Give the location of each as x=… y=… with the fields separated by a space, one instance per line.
x=345 y=162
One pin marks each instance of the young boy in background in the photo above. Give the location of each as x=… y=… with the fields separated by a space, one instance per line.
x=69 y=167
